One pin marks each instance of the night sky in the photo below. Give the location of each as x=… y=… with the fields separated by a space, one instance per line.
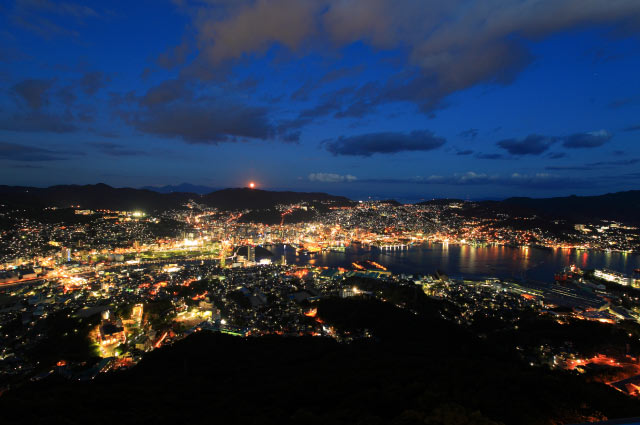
x=388 y=98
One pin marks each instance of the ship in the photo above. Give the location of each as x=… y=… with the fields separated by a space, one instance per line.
x=568 y=274
x=337 y=248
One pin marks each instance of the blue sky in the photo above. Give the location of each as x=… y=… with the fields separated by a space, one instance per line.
x=467 y=98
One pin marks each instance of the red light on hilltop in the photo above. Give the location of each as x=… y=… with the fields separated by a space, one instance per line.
x=252 y=185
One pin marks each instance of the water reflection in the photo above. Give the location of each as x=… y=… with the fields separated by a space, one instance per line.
x=457 y=260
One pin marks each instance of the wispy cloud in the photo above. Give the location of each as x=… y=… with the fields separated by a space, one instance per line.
x=25 y=153
x=331 y=178
x=115 y=149
x=533 y=144
x=591 y=139
x=536 y=180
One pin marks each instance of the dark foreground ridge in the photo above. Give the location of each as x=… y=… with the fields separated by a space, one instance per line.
x=419 y=369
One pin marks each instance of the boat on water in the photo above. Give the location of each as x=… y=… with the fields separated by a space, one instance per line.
x=337 y=249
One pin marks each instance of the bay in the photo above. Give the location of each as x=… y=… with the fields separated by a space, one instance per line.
x=469 y=261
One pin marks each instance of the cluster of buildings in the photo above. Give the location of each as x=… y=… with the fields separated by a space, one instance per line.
x=386 y=224
x=204 y=233
x=131 y=282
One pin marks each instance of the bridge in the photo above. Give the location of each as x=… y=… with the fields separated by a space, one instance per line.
x=394 y=247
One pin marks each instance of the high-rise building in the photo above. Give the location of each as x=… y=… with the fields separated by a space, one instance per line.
x=251 y=254
x=136 y=313
x=66 y=253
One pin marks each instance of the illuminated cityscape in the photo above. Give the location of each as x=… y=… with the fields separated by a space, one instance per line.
x=344 y=212
x=95 y=291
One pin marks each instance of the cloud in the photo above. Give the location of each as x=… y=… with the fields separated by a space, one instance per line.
x=115 y=149
x=346 y=102
x=25 y=166
x=66 y=95
x=252 y=27
x=592 y=139
x=16 y=152
x=384 y=143
x=480 y=155
x=535 y=144
x=93 y=81
x=568 y=167
x=291 y=137
x=470 y=134
x=208 y=122
x=531 y=145
x=556 y=155
x=633 y=128
x=41 y=105
x=201 y=112
x=33 y=92
x=450 y=46
x=545 y=181
x=119 y=100
x=167 y=92
x=596 y=165
x=214 y=115
x=305 y=90
x=331 y=178
x=471 y=178
x=36 y=121
x=619 y=103
x=464 y=152
x=631 y=161
x=330 y=103
x=59 y=8
x=37 y=16
x=174 y=56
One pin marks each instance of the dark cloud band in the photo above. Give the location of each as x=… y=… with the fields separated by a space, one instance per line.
x=384 y=143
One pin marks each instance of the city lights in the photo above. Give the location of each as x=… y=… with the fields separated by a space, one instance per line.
x=445 y=229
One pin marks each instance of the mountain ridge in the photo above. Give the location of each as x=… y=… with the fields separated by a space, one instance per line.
x=181 y=188
x=619 y=206
x=103 y=196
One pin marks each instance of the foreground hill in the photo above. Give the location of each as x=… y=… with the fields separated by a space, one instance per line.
x=102 y=196
x=418 y=370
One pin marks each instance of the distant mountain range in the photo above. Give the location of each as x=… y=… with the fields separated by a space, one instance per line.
x=98 y=196
x=102 y=196
x=245 y=198
x=622 y=206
